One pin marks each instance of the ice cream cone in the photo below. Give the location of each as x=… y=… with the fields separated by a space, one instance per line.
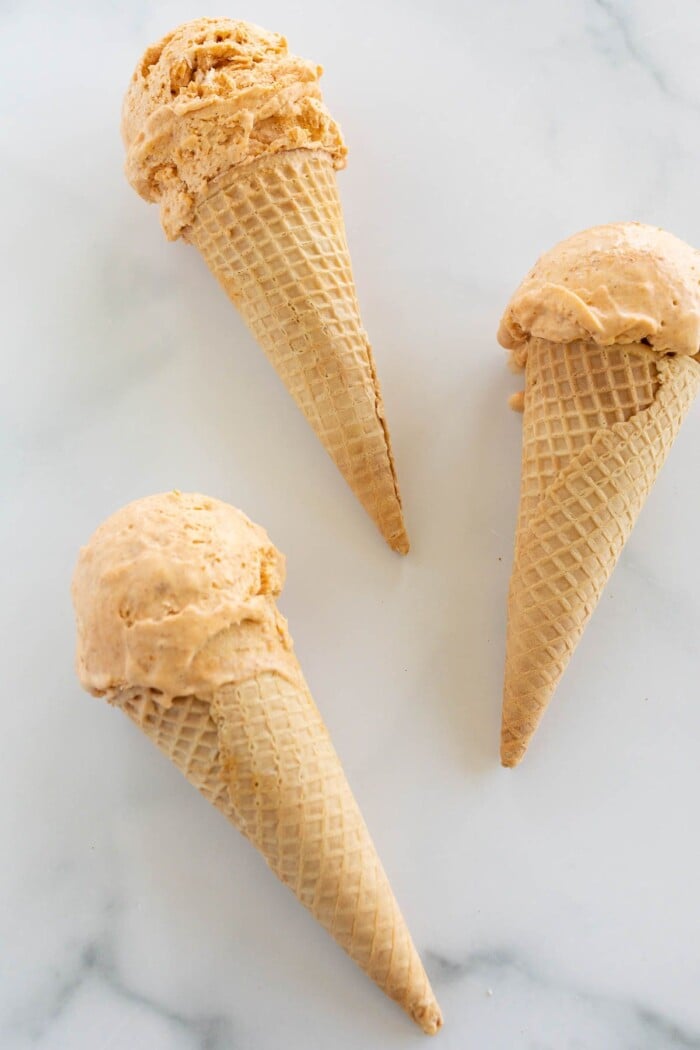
x=272 y=233
x=228 y=132
x=599 y=420
x=177 y=625
x=597 y=427
x=261 y=753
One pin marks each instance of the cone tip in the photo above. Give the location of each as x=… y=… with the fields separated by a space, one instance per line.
x=393 y=530
x=428 y=1016
x=513 y=749
x=401 y=543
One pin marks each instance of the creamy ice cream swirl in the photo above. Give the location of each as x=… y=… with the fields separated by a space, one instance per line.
x=176 y=594
x=213 y=94
x=621 y=284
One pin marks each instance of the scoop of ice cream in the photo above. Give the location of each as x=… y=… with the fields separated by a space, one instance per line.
x=622 y=283
x=212 y=94
x=176 y=593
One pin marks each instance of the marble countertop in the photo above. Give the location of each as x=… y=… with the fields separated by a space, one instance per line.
x=556 y=905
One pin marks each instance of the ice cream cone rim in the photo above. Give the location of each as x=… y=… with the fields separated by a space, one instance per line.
x=265 y=161
x=604 y=436
x=517 y=356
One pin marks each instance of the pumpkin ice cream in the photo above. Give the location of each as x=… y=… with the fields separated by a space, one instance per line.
x=178 y=626
x=227 y=131
x=616 y=284
x=212 y=95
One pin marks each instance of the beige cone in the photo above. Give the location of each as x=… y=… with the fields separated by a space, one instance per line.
x=272 y=233
x=598 y=424
x=263 y=756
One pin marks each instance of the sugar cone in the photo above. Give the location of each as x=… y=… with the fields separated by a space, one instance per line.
x=598 y=424
x=263 y=756
x=272 y=233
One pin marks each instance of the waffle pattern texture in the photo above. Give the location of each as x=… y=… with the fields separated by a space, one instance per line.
x=598 y=424
x=261 y=753
x=272 y=233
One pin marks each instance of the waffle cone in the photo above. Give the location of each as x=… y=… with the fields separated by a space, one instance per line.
x=272 y=233
x=598 y=424
x=261 y=754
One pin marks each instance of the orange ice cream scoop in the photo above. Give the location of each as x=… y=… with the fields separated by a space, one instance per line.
x=213 y=94
x=616 y=284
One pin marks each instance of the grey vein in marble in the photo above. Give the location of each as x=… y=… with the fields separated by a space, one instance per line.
x=630 y=45
x=624 y=1019
x=639 y=56
x=96 y=962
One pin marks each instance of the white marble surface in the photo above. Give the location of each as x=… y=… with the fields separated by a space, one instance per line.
x=556 y=906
